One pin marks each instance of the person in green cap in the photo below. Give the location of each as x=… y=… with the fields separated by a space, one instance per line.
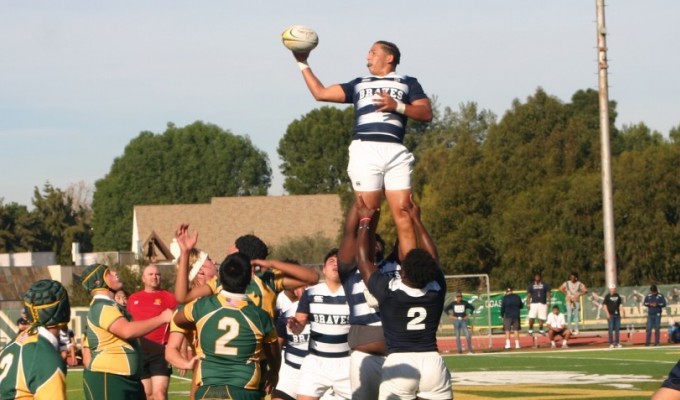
x=112 y=336
x=30 y=365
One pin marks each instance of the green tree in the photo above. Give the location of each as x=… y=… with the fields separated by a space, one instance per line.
x=314 y=151
x=179 y=166
x=19 y=229
x=304 y=250
x=61 y=223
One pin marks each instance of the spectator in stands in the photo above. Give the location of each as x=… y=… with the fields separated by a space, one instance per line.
x=457 y=310
x=557 y=326
x=538 y=298
x=613 y=306
x=510 y=312
x=655 y=302
x=22 y=321
x=573 y=289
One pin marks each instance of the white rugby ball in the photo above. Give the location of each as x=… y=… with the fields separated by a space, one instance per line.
x=299 y=38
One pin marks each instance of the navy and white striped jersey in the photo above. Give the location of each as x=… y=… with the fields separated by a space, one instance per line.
x=410 y=316
x=359 y=311
x=381 y=126
x=296 y=347
x=328 y=317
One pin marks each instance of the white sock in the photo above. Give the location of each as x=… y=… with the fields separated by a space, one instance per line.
x=516 y=343
x=507 y=343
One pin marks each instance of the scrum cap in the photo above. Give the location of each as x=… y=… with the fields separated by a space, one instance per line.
x=47 y=304
x=93 y=277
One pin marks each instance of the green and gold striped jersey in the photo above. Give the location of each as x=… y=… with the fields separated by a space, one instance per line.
x=261 y=291
x=231 y=334
x=32 y=368
x=110 y=353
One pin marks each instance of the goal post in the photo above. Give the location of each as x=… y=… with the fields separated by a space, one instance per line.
x=476 y=290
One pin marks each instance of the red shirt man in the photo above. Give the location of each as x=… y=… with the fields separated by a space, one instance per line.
x=146 y=304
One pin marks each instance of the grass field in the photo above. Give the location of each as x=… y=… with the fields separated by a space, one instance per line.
x=598 y=374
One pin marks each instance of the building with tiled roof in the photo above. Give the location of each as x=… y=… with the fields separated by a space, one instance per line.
x=275 y=219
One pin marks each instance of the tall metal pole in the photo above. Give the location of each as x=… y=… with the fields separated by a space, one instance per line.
x=607 y=202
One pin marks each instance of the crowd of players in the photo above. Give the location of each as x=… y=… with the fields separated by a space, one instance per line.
x=366 y=331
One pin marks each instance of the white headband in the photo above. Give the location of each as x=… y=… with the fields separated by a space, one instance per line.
x=196 y=266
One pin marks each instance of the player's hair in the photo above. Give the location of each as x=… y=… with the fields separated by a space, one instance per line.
x=252 y=246
x=575 y=274
x=235 y=273
x=392 y=49
x=332 y=253
x=420 y=268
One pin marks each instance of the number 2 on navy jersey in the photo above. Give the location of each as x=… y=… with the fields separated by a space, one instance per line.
x=418 y=314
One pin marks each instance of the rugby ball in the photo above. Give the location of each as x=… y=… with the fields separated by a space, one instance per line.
x=299 y=38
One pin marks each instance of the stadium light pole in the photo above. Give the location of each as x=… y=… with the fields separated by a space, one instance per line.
x=607 y=198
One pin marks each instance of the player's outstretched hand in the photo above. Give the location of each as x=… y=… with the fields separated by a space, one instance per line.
x=261 y=265
x=166 y=315
x=366 y=213
x=271 y=379
x=295 y=326
x=301 y=56
x=412 y=209
x=185 y=240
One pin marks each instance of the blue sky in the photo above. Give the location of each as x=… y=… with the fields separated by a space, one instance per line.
x=79 y=80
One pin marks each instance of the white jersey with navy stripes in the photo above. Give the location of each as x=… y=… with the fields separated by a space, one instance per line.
x=296 y=347
x=360 y=313
x=328 y=317
x=410 y=316
x=375 y=126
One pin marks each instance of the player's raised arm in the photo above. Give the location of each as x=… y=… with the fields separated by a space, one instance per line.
x=423 y=238
x=186 y=243
x=333 y=93
x=368 y=220
x=295 y=275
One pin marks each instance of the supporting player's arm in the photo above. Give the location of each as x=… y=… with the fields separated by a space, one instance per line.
x=368 y=220
x=348 y=246
x=333 y=93
x=424 y=239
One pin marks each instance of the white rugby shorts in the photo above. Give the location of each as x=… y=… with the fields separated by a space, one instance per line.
x=377 y=165
x=318 y=374
x=410 y=375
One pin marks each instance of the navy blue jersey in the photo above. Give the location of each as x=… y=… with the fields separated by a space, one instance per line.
x=410 y=316
x=375 y=126
x=538 y=291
